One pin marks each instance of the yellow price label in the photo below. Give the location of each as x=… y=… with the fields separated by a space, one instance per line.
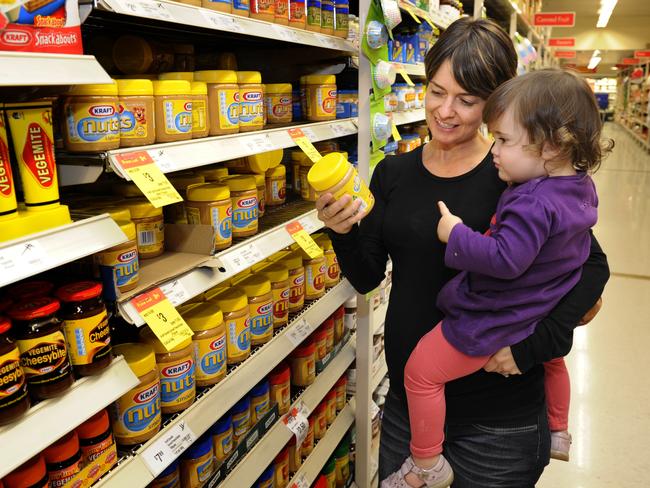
x=395 y=132
x=402 y=71
x=163 y=318
x=305 y=144
x=304 y=240
x=152 y=182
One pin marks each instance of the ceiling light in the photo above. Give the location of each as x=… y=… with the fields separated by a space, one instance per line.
x=593 y=62
x=614 y=68
x=605 y=12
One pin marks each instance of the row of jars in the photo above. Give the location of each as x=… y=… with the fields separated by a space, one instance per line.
x=185 y=105
x=403 y=97
x=337 y=471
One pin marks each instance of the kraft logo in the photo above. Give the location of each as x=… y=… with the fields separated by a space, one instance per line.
x=236 y=97
x=285 y=294
x=101 y=110
x=247 y=202
x=127 y=256
x=322 y=268
x=265 y=309
x=146 y=395
x=218 y=343
x=16 y=38
x=188 y=106
x=252 y=96
x=332 y=93
x=229 y=212
x=285 y=100
x=177 y=370
x=299 y=280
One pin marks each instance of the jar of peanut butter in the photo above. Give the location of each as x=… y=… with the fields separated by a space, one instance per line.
x=297 y=14
x=245 y=212
x=136 y=112
x=308 y=444
x=328 y=327
x=260 y=401
x=251 y=101
x=223 y=100
x=313 y=8
x=221 y=432
x=327 y=17
x=211 y=204
x=281 y=464
x=296 y=158
x=278 y=275
x=314 y=276
x=260 y=183
x=214 y=174
x=295 y=456
x=276 y=186
x=263 y=10
x=306 y=191
x=294 y=264
x=198 y=463
x=333 y=271
x=119 y=265
x=339 y=324
x=149 y=227
x=177 y=75
x=320 y=420
x=278 y=104
x=135 y=55
x=303 y=363
x=321 y=97
x=234 y=305
x=341 y=392
x=260 y=305
x=330 y=399
x=209 y=342
x=280 y=381
x=320 y=340
x=173 y=102
x=219 y=5
x=200 y=119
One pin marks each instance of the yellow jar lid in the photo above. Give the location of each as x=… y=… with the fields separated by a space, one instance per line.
x=249 y=77
x=258 y=163
x=293 y=260
x=186 y=307
x=277 y=171
x=216 y=76
x=147 y=336
x=128 y=228
x=140 y=357
x=177 y=75
x=204 y=316
x=241 y=183
x=213 y=174
x=279 y=88
x=142 y=208
x=199 y=88
x=182 y=182
x=215 y=291
x=208 y=192
x=256 y=285
x=276 y=272
x=105 y=90
x=171 y=87
x=320 y=80
x=232 y=300
x=122 y=214
x=127 y=189
x=260 y=180
x=127 y=88
x=328 y=171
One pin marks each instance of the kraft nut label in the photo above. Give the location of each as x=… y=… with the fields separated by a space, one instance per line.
x=210 y=355
x=44 y=359
x=177 y=382
x=88 y=339
x=261 y=319
x=138 y=412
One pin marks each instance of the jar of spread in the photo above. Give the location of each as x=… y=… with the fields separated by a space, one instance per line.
x=149 y=227
x=278 y=275
x=223 y=100
x=308 y=444
x=341 y=18
x=220 y=5
x=303 y=363
x=296 y=159
x=91 y=118
x=177 y=373
x=243 y=193
x=200 y=119
x=260 y=183
x=169 y=478
x=211 y=204
x=295 y=456
x=306 y=191
x=43 y=351
x=327 y=17
x=333 y=271
x=281 y=464
x=95 y=436
x=408 y=143
x=263 y=10
x=212 y=175
x=339 y=324
x=14 y=401
x=278 y=103
x=63 y=459
x=221 y=432
x=330 y=399
x=241 y=7
x=175 y=213
x=333 y=174
x=197 y=463
x=328 y=327
x=173 y=101
x=341 y=391
x=32 y=474
x=314 y=276
x=350 y=317
x=251 y=101
x=313 y=15
x=241 y=419
x=256 y=163
x=260 y=401
x=177 y=75
x=136 y=414
x=321 y=97
x=119 y=265
x=234 y=305
x=276 y=186
x=267 y=479
x=297 y=14
x=293 y=262
x=342 y=462
x=260 y=305
x=134 y=55
x=136 y=112
x=320 y=420
x=209 y=341
x=85 y=324
x=280 y=384
x=320 y=341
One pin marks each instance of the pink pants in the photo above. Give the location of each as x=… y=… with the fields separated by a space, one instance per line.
x=434 y=362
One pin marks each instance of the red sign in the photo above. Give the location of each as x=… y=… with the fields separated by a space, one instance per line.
x=642 y=54
x=562 y=42
x=555 y=19
x=565 y=54
x=629 y=61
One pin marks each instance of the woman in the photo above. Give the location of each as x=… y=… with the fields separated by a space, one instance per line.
x=496 y=427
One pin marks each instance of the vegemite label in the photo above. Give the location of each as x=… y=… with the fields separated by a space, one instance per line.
x=44 y=359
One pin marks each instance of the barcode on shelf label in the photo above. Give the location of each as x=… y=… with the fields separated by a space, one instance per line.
x=143 y=8
x=28 y=255
x=341 y=129
x=257 y=144
x=286 y=33
x=175 y=292
x=222 y=22
x=299 y=332
x=300 y=482
x=241 y=258
x=296 y=421
x=165 y=450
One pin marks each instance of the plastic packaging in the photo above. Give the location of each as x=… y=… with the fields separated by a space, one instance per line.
x=209 y=343
x=260 y=304
x=197 y=463
x=149 y=227
x=266 y=480
x=223 y=100
x=297 y=14
x=341 y=18
x=313 y=15
x=280 y=384
x=222 y=438
x=169 y=478
x=278 y=275
x=281 y=464
x=219 y=5
x=173 y=107
x=119 y=265
x=241 y=419
x=200 y=119
x=234 y=305
x=278 y=103
x=260 y=401
x=136 y=112
x=210 y=204
x=314 y=276
x=303 y=364
x=321 y=96
x=245 y=212
x=276 y=186
x=294 y=264
x=251 y=101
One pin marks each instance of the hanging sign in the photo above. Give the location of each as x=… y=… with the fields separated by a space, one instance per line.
x=565 y=54
x=562 y=42
x=630 y=61
x=642 y=54
x=555 y=19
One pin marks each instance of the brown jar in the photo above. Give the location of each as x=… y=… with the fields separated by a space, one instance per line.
x=223 y=100
x=278 y=275
x=136 y=111
x=43 y=351
x=173 y=107
x=85 y=324
x=293 y=262
x=200 y=118
x=14 y=400
x=260 y=307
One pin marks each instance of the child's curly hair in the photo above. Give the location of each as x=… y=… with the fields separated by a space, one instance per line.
x=555 y=107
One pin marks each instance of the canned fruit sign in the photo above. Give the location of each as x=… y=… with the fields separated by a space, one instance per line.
x=555 y=19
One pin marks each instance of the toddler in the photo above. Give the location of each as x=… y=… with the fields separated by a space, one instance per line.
x=547 y=128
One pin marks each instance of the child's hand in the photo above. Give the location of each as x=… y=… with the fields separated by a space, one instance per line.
x=447 y=222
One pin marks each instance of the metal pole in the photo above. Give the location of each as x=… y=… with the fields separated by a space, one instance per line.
x=478 y=9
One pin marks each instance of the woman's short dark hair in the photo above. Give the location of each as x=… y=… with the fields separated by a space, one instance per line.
x=482 y=55
x=555 y=107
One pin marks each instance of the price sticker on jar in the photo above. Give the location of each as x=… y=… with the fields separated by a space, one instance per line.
x=305 y=144
x=297 y=422
x=164 y=320
x=304 y=240
x=152 y=182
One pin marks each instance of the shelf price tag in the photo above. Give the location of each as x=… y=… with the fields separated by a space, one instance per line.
x=142 y=169
x=300 y=482
x=164 y=451
x=305 y=144
x=163 y=318
x=286 y=33
x=257 y=144
x=299 y=332
x=304 y=240
x=341 y=129
x=143 y=8
x=296 y=421
x=241 y=258
x=222 y=22
x=395 y=132
x=28 y=255
x=175 y=292
x=402 y=71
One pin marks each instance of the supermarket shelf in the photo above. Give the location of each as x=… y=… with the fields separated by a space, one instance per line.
x=35 y=253
x=644 y=142
x=29 y=69
x=437 y=17
x=49 y=420
x=133 y=471
x=256 y=461
x=411 y=69
x=401 y=118
x=379 y=317
x=211 y=271
x=188 y=15
x=379 y=371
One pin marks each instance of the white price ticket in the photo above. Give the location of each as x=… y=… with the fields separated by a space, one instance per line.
x=297 y=421
x=241 y=258
x=341 y=129
x=310 y=225
x=175 y=292
x=286 y=33
x=311 y=135
x=257 y=144
x=143 y=8
x=222 y=22
x=162 y=160
x=25 y=259
x=164 y=451
x=299 y=332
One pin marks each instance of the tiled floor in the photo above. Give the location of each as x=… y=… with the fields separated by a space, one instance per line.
x=610 y=361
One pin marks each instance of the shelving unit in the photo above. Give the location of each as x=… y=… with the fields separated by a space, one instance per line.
x=402 y=118
x=632 y=102
x=29 y=69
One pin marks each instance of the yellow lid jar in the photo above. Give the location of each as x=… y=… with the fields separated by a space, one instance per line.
x=334 y=174
x=223 y=100
x=212 y=175
x=209 y=340
x=177 y=75
x=173 y=102
x=278 y=275
x=294 y=264
x=256 y=163
x=276 y=186
x=234 y=305
x=136 y=109
x=260 y=306
x=333 y=270
x=200 y=119
x=175 y=213
x=245 y=212
x=119 y=265
x=314 y=276
x=210 y=204
x=260 y=183
x=278 y=103
x=306 y=191
x=321 y=97
x=149 y=228
x=251 y=101
x=91 y=118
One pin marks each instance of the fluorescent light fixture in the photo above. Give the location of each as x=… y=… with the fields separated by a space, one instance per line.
x=614 y=68
x=605 y=12
x=596 y=53
x=594 y=61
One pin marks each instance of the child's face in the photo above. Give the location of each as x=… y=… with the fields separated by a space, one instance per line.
x=516 y=163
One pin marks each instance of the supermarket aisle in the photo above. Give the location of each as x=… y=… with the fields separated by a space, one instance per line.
x=610 y=356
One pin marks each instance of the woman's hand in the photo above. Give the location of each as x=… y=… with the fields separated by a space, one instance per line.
x=502 y=362
x=593 y=311
x=339 y=215
x=447 y=222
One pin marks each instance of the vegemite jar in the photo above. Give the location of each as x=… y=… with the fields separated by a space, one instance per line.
x=14 y=400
